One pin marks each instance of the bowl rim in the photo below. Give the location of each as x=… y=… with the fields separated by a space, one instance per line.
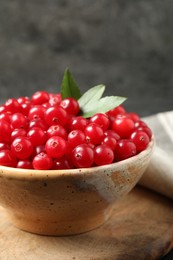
x=17 y=173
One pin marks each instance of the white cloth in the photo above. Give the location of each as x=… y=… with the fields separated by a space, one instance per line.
x=159 y=174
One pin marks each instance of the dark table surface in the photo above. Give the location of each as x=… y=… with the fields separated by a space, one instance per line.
x=126 y=45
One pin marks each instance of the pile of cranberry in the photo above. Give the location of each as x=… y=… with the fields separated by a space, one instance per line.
x=45 y=132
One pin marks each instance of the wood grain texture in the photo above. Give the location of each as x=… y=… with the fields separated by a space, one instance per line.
x=141 y=228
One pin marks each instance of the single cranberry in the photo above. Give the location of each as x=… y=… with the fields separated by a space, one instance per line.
x=147 y=130
x=120 y=110
x=103 y=155
x=37 y=136
x=22 y=147
x=42 y=162
x=82 y=156
x=110 y=142
x=55 y=146
x=70 y=105
x=7 y=158
x=57 y=130
x=123 y=126
x=55 y=115
x=18 y=120
x=36 y=112
x=140 y=139
x=12 y=105
x=62 y=163
x=40 y=97
x=76 y=137
x=55 y=99
x=100 y=119
x=124 y=149
x=78 y=122
x=24 y=164
x=94 y=133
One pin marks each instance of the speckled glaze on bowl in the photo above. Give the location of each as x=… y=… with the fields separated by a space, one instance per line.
x=67 y=202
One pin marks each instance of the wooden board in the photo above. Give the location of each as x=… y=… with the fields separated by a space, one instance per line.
x=141 y=228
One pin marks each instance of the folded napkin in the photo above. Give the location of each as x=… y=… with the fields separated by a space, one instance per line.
x=159 y=174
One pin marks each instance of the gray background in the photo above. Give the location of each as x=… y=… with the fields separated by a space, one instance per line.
x=125 y=44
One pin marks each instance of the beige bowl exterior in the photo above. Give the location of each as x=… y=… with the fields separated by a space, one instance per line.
x=68 y=201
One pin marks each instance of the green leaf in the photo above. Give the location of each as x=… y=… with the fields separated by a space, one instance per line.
x=102 y=105
x=69 y=87
x=91 y=95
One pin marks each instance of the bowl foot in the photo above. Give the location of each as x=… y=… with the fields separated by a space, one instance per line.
x=59 y=228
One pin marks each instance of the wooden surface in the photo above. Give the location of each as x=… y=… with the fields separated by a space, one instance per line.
x=141 y=228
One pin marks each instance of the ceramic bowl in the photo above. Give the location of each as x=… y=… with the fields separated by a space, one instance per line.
x=64 y=202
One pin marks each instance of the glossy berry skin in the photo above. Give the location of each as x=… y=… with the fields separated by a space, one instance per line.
x=5 y=131
x=140 y=139
x=40 y=97
x=110 y=142
x=36 y=112
x=147 y=130
x=18 y=132
x=18 y=120
x=39 y=149
x=6 y=116
x=23 y=100
x=55 y=115
x=24 y=164
x=7 y=158
x=125 y=149
x=123 y=126
x=82 y=156
x=55 y=99
x=37 y=123
x=22 y=147
x=46 y=132
x=120 y=110
x=57 y=130
x=75 y=138
x=112 y=133
x=26 y=108
x=37 y=136
x=70 y=105
x=2 y=109
x=94 y=134
x=135 y=117
x=103 y=155
x=62 y=163
x=140 y=123
x=56 y=147
x=12 y=106
x=78 y=122
x=100 y=119
x=4 y=146
x=42 y=162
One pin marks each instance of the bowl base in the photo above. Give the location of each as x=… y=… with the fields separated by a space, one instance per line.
x=57 y=228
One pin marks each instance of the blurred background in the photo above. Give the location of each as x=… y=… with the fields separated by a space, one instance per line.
x=127 y=45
